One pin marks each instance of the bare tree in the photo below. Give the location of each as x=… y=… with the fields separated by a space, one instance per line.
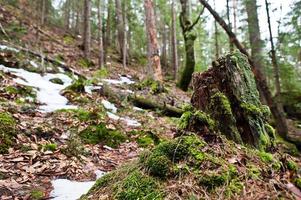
x=174 y=40
x=120 y=27
x=87 y=28
x=100 y=37
x=153 y=47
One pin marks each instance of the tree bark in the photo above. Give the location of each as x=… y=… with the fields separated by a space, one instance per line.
x=153 y=47
x=216 y=38
x=120 y=28
x=281 y=124
x=100 y=37
x=228 y=92
x=231 y=47
x=87 y=28
x=174 y=41
x=189 y=38
x=124 y=48
x=254 y=32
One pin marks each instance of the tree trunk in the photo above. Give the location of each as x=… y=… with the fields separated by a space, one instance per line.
x=273 y=56
x=174 y=41
x=230 y=26
x=100 y=37
x=234 y=16
x=108 y=26
x=120 y=28
x=189 y=38
x=227 y=92
x=153 y=47
x=87 y=28
x=124 y=48
x=43 y=8
x=254 y=32
x=281 y=123
x=164 y=48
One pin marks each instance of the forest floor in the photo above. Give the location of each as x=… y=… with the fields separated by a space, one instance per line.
x=54 y=139
x=42 y=150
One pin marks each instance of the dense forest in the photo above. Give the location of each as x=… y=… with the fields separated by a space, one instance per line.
x=150 y=99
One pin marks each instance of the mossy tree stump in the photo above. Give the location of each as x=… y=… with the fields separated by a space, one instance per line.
x=228 y=92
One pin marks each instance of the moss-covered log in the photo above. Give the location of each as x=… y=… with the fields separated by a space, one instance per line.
x=228 y=92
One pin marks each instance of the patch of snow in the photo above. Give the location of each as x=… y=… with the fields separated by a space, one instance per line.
x=64 y=189
x=128 y=91
x=90 y=88
x=122 y=80
x=4 y=47
x=131 y=122
x=137 y=108
x=113 y=116
x=109 y=106
x=34 y=64
x=127 y=120
x=48 y=93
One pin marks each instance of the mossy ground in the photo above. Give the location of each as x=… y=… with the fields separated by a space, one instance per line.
x=7 y=131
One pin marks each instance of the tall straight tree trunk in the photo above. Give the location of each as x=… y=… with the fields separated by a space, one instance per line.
x=43 y=10
x=67 y=14
x=254 y=32
x=189 y=38
x=153 y=47
x=230 y=26
x=234 y=16
x=124 y=48
x=281 y=124
x=120 y=28
x=273 y=55
x=108 y=26
x=87 y=28
x=174 y=40
x=216 y=38
x=164 y=47
x=100 y=37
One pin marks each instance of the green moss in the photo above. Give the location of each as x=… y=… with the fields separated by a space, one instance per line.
x=214 y=179
x=74 y=146
x=158 y=165
x=264 y=141
x=76 y=86
x=297 y=182
x=286 y=146
x=69 y=40
x=95 y=134
x=155 y=87
x=222 y=113
x=85 y=63
x=276 y=166
x=36 y=194
x=266 y=157
x=7 y=131
x=101 y=73
x=138 y=186
x=50 y=147
x=270 y=131
x=235 y=187
x=253 y=172
x=195 y=117
x=291 y=165
x=57 y=81
x=24 y=91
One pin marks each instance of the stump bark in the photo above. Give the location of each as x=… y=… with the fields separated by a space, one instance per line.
x=228 y=93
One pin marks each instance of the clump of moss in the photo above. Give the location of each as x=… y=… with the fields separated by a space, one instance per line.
x=146 y=139
x=190 y=118
x=297 y=182
x=24 y=91
x=69 y=40
x=214 y=179
x=36 y=194
x=155 y=86
x=82 y=114
x=85 y=63
x=159 y=162
x=7 y=131
x=235 y=187
x=266 y=157
x=138 y=186
x=57 y=81
x=50 y=147
x=74 y=146
x=253 y=172
x=95 y=134
x=291 y=165
x=76 y=86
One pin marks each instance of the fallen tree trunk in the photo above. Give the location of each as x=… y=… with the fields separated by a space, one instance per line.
x=228 y=93
x=281 y=124
x=142 y=102
x=154 y=105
